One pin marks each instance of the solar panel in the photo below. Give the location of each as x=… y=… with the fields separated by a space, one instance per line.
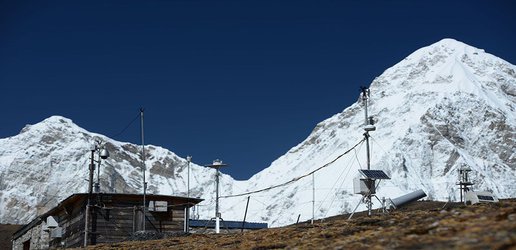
x=374 y=174
x=485 y=197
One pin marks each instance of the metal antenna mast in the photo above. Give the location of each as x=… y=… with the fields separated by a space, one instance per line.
x=187 y=209
x=368 y=123
x=366 y=186
x=368 y=127
x=188 y=159
x=464 y=182
x=103 y=154
x=217 y=164
x=143 y=170
x=313 y=198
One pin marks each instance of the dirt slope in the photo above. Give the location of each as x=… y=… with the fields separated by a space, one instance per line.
x=424 y=225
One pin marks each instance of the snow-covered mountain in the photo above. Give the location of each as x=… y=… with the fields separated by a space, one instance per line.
x=49 y=161
x=444 y=106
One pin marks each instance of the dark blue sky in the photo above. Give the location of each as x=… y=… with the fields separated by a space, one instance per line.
x=243 y=81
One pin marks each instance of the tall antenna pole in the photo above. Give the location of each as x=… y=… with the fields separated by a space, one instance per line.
x=90 y=191
x=217 y=174
x=97 y=185
x=188 y=159
x=187 y=208
x=313 y=197
x=102 y=154
x=217 y=164
x=366 y=186
x=368 y=126
x=365 y=98
x=143 y=169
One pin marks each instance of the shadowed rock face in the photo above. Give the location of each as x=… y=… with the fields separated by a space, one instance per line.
x=165 y=168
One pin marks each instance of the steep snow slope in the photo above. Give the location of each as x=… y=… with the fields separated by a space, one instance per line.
x=442 y=107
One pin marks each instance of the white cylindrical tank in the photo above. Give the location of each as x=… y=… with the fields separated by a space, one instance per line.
x=408 y=198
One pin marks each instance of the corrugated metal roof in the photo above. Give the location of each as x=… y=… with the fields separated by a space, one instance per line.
x=227 y=224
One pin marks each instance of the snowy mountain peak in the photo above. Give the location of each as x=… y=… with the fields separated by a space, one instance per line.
x=451 y=44
x=58 y=119
x=55 y=122
x=446 y=47
x=448 y=67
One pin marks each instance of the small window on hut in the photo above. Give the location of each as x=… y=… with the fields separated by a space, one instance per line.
x=485 y=197
x=158 y=206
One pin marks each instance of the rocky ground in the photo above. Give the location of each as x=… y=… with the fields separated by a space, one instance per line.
x=422 y=225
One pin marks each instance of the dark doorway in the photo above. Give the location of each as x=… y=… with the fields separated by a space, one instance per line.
x=26 y=245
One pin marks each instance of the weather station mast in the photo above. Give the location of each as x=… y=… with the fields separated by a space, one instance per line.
x=187 y=209
x=369 y=123
x=91 y=235
x=367 y=186
x=217 y=164
x=143 y=169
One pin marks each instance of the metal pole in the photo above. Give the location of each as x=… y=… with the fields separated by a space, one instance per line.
x=188 y=159
x=366 y=134
x=90 y=191
x=313 y=197
x=188 y=218
x=217 y=219
x=217 y=164
x=97 y=184
x=460 y=187
x=365 y=97
x=143 y=169
x=245 y=214
x=185 y=218
x=369 y=204
x=216 y=192
x=369 y=180
x=93 y=236
x=187 y=209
